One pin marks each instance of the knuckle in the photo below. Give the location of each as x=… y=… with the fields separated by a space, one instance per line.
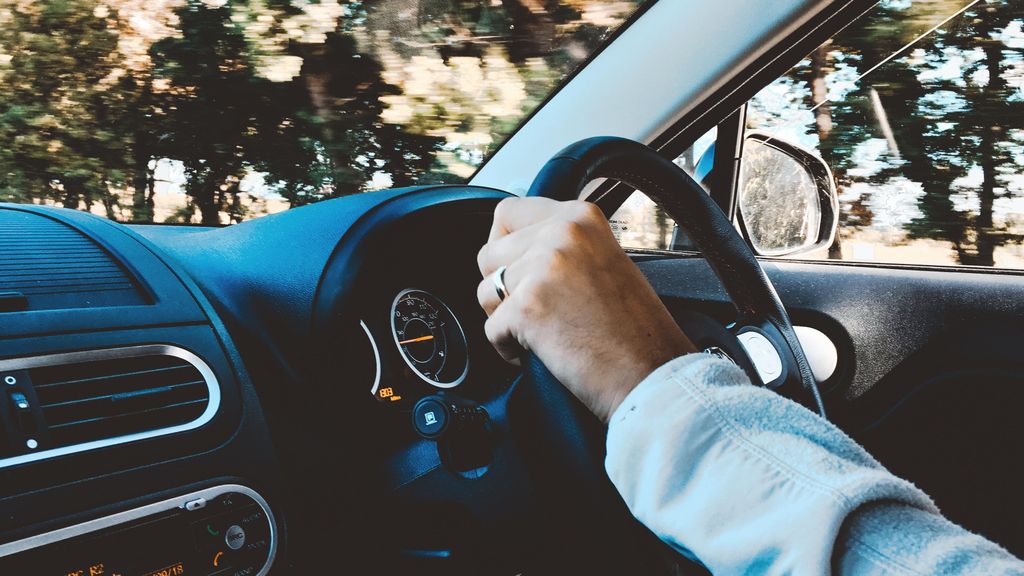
x=587 y=212
x=482 y=295
x=502 y=210
x=557 y=258
x=481 y=257
x=574 y=232
x=564 y=234
x=529 y=299
x=545 y=263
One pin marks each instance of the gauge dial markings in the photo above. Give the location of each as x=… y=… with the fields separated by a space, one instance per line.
x=429 y=338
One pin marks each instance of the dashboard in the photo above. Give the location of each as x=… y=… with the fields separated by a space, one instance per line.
x=308 y=392
x=182 y=401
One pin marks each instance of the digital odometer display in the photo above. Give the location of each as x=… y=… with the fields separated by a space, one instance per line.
x=429 y=338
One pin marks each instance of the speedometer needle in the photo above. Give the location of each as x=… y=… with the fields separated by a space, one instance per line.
x=420 y=339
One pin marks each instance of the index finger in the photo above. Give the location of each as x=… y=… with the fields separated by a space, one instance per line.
x=512 y=214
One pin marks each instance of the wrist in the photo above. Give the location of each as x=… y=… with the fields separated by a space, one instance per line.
x=641 y=366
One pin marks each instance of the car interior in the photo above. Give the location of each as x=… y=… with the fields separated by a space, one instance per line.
x=312 y=391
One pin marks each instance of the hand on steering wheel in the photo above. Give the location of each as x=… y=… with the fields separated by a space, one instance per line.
x=575 y=299
x=586 y=312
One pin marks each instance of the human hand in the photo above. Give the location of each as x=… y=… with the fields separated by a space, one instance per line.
x=575 y=300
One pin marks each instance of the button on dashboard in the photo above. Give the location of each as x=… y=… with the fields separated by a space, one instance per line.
x=430 y=417
x=234 y=537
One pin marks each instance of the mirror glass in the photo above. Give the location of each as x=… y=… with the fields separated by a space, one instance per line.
x=778 y=200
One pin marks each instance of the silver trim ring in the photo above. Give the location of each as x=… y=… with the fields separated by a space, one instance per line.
x=499 y=283
x=376 y=359
x=415 y=370
x=112 y=520
x=26 y=363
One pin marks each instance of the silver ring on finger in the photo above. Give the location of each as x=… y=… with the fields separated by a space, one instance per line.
x=499 y=283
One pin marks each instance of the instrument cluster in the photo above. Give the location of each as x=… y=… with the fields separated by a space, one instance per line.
x=423 y=348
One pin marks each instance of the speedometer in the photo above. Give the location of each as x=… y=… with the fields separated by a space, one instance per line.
x=429 y=338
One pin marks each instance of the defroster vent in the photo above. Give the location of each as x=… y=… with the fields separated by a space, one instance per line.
x=46 y=265
x=79 y=401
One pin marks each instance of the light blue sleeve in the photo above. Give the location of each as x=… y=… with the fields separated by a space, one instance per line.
x=748 y=482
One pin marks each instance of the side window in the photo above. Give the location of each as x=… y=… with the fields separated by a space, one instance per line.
x=919 y=111
x=639 y=223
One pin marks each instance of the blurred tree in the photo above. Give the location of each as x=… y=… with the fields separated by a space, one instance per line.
x=209 y=102
x=228 y=111
x=253 y=97
x=972 y=116
x=345 y=91
x=944 y=109
x=60 y=104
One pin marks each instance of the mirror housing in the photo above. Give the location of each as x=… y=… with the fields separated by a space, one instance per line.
x=787 y=202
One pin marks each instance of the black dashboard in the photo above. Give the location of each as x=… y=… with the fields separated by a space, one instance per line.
x=186 y=401
x=179 y=401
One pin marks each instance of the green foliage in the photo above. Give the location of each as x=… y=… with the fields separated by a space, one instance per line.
x=974 y=132
x=951 y=109
x=78 y=123
x=286 y=97
x=314 y=137
x=58 y=106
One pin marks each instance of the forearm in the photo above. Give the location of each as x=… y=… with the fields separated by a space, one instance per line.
x=742 y=478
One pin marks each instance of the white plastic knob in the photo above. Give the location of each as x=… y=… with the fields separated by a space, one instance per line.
x=821 y=352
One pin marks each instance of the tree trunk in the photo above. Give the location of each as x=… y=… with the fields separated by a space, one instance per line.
x=109 y=205
x=819 y=94
x=991 y=98
x=823 y=123
x=207 y=200
x=142 y=199
x=150 y=194
x=142 y=184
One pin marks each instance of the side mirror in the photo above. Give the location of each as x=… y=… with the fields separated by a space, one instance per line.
x=787 y=199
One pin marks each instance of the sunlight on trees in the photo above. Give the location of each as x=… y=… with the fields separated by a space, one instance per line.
x=213 y=112
x=207 y=111
x=927 y=148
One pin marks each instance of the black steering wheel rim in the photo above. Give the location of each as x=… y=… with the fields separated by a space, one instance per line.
x=757 y=303
x=545 y=495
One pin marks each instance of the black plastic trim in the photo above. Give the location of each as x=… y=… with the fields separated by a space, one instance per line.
x=748 y=81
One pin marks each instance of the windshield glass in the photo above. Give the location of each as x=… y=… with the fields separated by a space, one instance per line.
x=214 y=112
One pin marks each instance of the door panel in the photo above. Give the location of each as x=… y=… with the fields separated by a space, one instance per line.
x=930 y=376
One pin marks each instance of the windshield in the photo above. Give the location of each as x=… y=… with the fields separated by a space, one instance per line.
x=214 y=112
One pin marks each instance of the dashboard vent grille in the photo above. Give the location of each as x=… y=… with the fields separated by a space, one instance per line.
x=53 y=266
x=96 y=400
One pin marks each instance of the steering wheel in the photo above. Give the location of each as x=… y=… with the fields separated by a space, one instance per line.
x=763 y=326
x=543 y=413
x=543 y=493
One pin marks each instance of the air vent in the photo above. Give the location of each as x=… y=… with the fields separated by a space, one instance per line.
x=51 y=265
x=85 y=400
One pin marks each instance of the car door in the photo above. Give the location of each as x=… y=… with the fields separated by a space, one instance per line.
x=917 y=108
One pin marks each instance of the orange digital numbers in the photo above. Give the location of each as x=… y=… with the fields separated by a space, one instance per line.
x=387 y=392
x=172 y=570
